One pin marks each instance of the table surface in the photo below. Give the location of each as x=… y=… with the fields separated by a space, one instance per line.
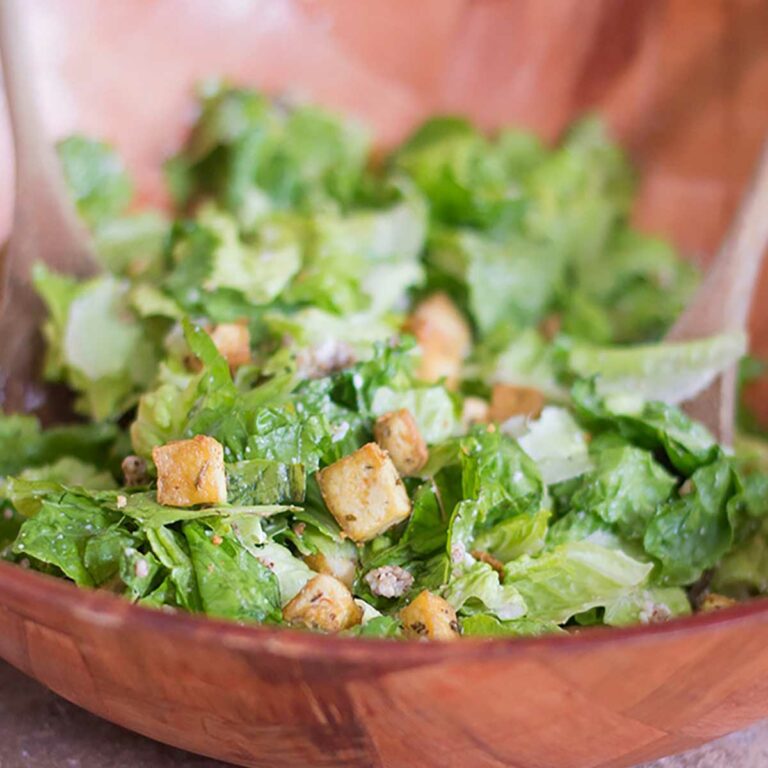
x=40 y=730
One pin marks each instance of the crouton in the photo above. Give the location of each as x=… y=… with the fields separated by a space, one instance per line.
x=715 y=602
x=364 y=493
x=190 y=472
x=474 y=411
x=444 y=338
x=341 y=568
x=323 y=603
x=508 y=401
x=429 y=617
x=233 y=340
x=397 y=433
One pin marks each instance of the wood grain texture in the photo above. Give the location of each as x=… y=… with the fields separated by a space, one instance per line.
x=282 y=698
x=683 y=84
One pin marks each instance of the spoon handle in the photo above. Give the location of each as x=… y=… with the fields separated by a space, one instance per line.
x=723 y=300
x=45 y=224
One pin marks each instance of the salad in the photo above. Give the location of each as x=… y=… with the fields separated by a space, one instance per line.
x=417 y=395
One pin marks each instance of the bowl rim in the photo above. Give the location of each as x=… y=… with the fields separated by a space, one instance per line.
x=105 y=608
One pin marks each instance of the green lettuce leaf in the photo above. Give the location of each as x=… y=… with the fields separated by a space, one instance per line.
x=670 y=372
x=557 y=445
x=24 y=444
x=512 y=281
x=640 y=289
x=625 y=488
x=519 y=535
x=233 y=583
x=253 y=155
x=95 y=342
x=487 y=625
x=96 y=178
x=260 y=481
x=573 y=578
x=478 y=590
x=170 y=548
x=499 y=481
x=647 y=606
x=652 y=425
x=691 y=532
x=59 y=532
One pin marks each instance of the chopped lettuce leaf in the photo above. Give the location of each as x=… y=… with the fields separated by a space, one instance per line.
x=626 y=487
x=651 y=425
x=691 y=532
x=647 y=606
x=513 y=281
x=233 y=583
x=498 y=481
x=557 y=445
x=96 y=178
x=670 y=372
x=96 y=342
x=573 y=578
x=519 y=535
x=60 y=531
x=488 y=625
x=478 y=590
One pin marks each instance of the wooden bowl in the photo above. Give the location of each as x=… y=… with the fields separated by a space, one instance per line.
x=279 y=698
x=682 y=83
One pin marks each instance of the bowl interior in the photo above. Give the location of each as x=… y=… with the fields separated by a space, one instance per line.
x=682 y=86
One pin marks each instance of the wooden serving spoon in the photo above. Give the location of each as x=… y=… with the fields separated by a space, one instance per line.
x=723 y=300
x=45 y=226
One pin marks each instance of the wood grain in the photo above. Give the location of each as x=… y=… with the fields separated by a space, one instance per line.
x=269 y=697
x=683 y=83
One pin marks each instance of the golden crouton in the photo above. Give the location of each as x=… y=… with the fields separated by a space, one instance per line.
x=430 y=617
x=508 y=400
x=323 y=603
x=190 y=472
x=715 y=602
x=364 y=493
x=474 y=411
x=443 y=336
x=233 y=340
x=341 y=568
x=397 y=433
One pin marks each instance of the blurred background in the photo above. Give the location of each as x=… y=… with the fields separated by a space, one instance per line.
x=682 y=83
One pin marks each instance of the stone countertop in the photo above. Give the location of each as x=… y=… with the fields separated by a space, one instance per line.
x=40 y=730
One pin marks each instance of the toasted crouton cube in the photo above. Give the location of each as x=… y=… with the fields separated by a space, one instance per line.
x=190 y=472
x=508 y=401
x=715 y=602
x=397 y=433
x=429 y=617
x=443 y=336
x=364 y=493
x=323 y=603
x=233 y=340
x=341 y=568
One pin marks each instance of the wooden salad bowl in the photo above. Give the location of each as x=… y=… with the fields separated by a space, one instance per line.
x=682 y=84
x=278 y=698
